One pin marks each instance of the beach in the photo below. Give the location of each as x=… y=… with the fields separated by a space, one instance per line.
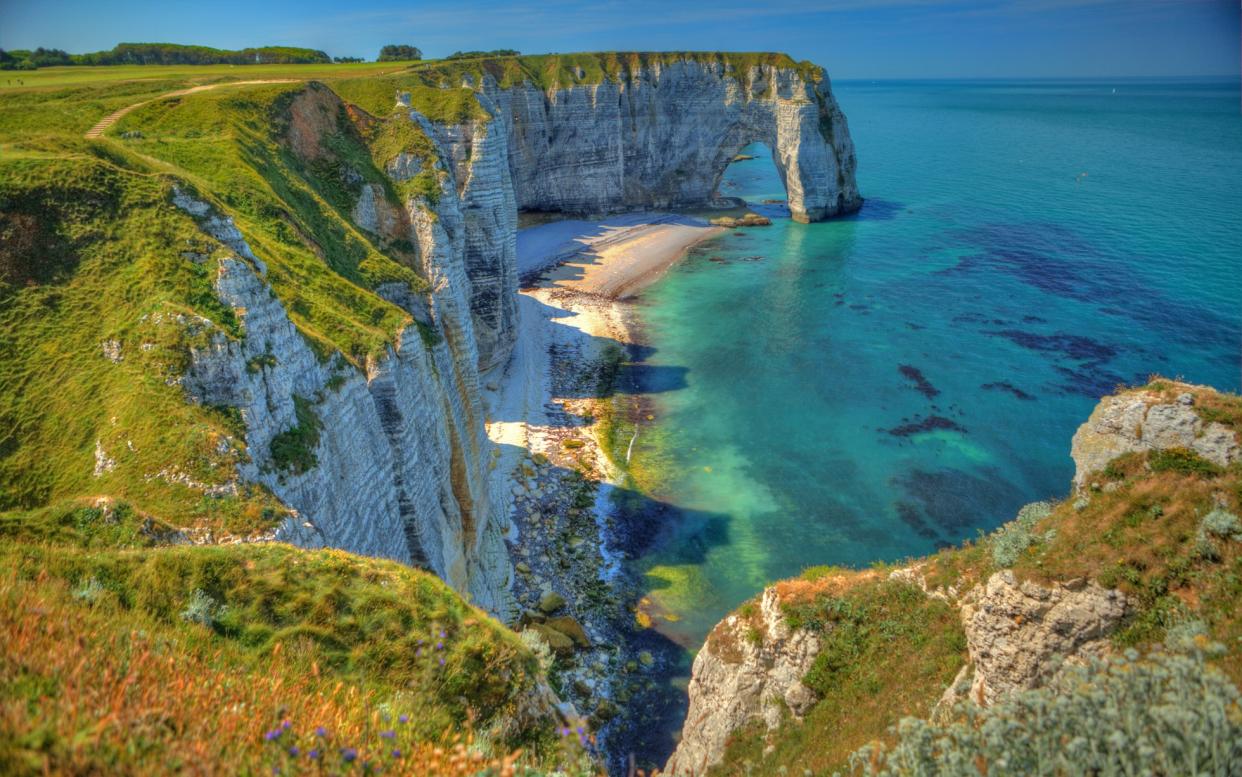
x=550 y=470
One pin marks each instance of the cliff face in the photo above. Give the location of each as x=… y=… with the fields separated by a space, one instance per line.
x=400 y=452
x=659 y=134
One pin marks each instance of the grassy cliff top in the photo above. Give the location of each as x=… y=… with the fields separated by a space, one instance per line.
x=134 y=660
x=562 y=70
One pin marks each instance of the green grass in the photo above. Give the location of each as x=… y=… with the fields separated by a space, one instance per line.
x=128 y=661
x=293 y=450
x=887 y=652
x=548 y=71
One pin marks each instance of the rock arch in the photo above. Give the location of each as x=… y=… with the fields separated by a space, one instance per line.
x=660 y=135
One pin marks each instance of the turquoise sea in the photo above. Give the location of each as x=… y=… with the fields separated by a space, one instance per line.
x=874 y=387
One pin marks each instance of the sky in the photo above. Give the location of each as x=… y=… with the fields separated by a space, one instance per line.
x=851 y=38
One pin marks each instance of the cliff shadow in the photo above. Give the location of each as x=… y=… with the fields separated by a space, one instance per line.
x=562 y=545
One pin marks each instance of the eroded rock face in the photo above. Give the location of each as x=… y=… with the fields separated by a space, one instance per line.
x=1139 y=421
x=749 y=669
x=1020 y=634
x=400 y=469
x=662 y=135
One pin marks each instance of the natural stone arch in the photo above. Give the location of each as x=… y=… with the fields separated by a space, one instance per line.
x=660 y=135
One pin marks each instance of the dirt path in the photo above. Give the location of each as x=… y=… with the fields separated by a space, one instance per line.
x=112 y=118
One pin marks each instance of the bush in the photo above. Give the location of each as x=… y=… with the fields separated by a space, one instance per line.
x=202 y=609
x=398 y=53
x=1183 y=461
x=293 y=450
x=1164 y=714
x=1014 y=537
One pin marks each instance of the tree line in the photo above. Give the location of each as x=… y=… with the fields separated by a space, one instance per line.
x=178 y=54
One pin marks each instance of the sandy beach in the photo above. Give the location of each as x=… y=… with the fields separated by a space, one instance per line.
x=575 y=276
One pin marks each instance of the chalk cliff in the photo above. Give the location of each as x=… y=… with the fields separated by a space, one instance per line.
x=659 y=131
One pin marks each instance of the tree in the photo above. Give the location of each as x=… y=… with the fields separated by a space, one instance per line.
x=396 y=53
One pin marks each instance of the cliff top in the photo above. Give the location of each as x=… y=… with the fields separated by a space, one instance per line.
x=547 y=71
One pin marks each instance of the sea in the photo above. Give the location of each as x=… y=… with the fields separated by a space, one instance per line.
x=875 y=387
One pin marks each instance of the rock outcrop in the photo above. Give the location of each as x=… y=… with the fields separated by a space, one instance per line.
x=1139 y=421
x=751 y=668
x=660 y=132
x=1020 y=634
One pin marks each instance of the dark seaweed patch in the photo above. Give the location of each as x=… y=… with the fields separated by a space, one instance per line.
x=955 y=503
x=912 y=516
x=1004 y=385
x=931 y=423
x=921 y=383
x=1089 y=378
x=1057 y=261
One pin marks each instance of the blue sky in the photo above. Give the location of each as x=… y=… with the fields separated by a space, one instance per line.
x=852 y=38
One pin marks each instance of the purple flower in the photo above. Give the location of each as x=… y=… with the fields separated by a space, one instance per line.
x=564 y=732
x=349 y=754
x=396 y=753
x=313 y=754
x=285 y=725
x=273 y=735
x=403 y=718
x=294 y=751
x=321 y=732
x=388 y=734
x=441 y=660
x=439 y=646
x=441 y=633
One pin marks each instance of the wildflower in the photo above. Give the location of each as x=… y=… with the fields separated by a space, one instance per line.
x=285 y=725
x=403 y=718
x=396 y=753
x=321 y=732
x=349 y=754
x=441 y=633
x=313 y=754
x=294 y=751
x=388 y=734
x=439 y=646
x=441 y=660
x=273 y=735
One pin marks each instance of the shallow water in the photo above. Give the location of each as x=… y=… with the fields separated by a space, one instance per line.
x=877 y=386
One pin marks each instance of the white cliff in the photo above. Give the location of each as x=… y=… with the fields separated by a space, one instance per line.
x=661 y=132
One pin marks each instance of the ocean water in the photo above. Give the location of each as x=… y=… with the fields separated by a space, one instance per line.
x=875 y=387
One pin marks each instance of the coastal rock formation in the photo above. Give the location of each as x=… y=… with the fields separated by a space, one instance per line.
x=750 y=669
x=391 y=457
x=660 y=131
x=1143 y=421
x=1020 y=634
x=398 y=453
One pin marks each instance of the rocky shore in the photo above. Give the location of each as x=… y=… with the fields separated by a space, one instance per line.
x=566 y=539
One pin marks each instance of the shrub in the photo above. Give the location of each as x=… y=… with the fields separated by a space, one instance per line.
x=202 y=609
x=1164 y=714
x=1183 y=461
x=1014 y=537
x=293 y=450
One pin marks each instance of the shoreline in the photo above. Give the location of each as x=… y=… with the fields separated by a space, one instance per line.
x=551 y=471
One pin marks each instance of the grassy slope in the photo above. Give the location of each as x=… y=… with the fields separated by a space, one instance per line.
x=891 y=651
x=111 y=666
